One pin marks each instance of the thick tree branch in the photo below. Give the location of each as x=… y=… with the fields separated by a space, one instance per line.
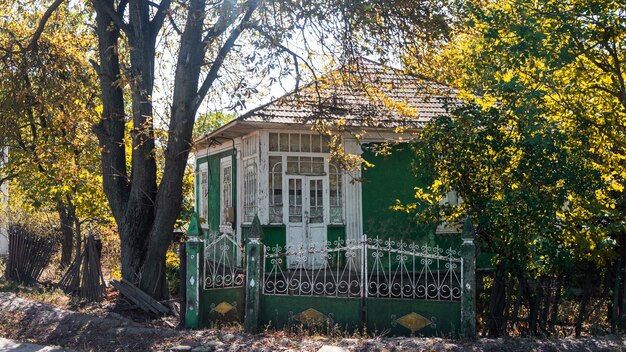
x=42 y=24
x=293 y=54
x=222 y=53
x=115 y=16
x=223 y=22
x=159 y=17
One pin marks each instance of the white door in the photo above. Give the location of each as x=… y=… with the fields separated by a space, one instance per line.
x=306 y=225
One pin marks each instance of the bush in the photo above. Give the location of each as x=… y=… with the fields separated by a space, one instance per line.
x=172 y=273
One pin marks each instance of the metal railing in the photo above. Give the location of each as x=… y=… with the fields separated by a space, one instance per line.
x=368 y=267
x=222 y=262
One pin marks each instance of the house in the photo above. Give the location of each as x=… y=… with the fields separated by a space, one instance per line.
x=321 y=168
x=274 y=162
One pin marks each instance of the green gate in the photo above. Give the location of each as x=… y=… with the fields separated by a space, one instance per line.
x=384 y=286
x=222 y=294
x=369 y=284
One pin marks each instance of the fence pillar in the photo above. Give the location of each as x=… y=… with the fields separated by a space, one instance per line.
x=194 y=247
x=253 y=276
x=468 y=303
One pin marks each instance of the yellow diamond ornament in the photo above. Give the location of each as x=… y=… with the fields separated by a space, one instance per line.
x=223 y=308
x=310 y=317
x=413 y=321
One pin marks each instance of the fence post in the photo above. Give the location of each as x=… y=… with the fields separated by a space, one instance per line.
x=194 y=247
x=468 y=303
x=253 y=276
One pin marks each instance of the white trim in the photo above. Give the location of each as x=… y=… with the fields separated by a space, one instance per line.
x=216 y=149
x=203 y=198
x=263 y=178
x=353 y=203
x=224 y=163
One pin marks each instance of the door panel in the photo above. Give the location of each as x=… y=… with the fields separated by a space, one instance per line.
x=306 y=224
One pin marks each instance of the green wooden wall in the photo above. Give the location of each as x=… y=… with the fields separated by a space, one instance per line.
x=213 y=162
x=393 y=178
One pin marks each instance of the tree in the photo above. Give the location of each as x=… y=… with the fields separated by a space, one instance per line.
x=254 y=36
x=208 y=122
x=48 y=102
x=539 y=158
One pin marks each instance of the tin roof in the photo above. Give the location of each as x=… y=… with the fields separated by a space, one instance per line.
x=363 y=94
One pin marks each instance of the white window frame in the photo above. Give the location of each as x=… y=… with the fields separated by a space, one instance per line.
x=285 y=173
x=203 y=194
x=225 y=163
x=249 y=200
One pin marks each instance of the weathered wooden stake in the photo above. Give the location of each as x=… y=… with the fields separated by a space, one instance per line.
x=468 y=253
x=253 y=277
x=194 y=248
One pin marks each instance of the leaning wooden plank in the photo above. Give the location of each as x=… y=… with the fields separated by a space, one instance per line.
x=132 y=296
x=139 y=298
x=154 y=303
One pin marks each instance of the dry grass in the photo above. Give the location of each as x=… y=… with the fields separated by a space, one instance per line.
x=38 y=293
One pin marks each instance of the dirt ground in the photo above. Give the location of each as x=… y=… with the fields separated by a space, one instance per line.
x=32 y=321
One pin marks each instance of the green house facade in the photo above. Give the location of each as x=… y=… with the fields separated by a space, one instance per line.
x=319 y=219
x=271 y=162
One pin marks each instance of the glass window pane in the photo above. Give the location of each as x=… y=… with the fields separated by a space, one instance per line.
x=295 y=200
x=325 y=144
x=306 y=143
x=294 y=142
x=273 y=142
x=305 y=165
x=292 y=165
x=316 y=143
x=335 y=194
x=316 y=202
x=317 y=167
x=275 y=164
x=284 y=142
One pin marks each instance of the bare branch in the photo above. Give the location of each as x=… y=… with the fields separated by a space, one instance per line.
x=116 y=16
x=174 y=25
x=159 y=17
x=221 y=55
x=42 y=24
x=221 y=25
x=293 y=54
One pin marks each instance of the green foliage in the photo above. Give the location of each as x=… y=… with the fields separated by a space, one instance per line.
x=537 y=154
x=48 y=103
x=210 y=121
x=172 y=272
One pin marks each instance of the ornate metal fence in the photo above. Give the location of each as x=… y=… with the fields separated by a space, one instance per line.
x=323 y=269
x=369 y=267
x=222 y=262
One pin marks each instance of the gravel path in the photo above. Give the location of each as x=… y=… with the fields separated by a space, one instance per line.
x=45 y=324
x=15 y=346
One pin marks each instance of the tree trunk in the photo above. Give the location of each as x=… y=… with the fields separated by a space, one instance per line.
x=145 y=215
x=582 y=312
x=554 y=315
x=67 y=233
x=534 y=301
x=496 y=303
x=169 y=196
x=78 y=237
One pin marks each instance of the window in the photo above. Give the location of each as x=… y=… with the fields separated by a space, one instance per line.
x=295 y=167
x=305 y=165
x=299 y=143
x=335 y=185
x=276 y=189
x=226 y=191
x=250 y=171
x=203 y=193
x=249 y=189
